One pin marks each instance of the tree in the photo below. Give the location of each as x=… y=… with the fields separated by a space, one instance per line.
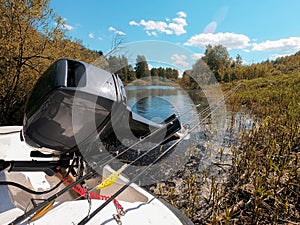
x=185 y=80
x=238 y=60
x=154 y=72
x=119 y=65
x=26 y=30
x=217 y=58
x=100 y=61
x=141 y=68
x=114 y=64
x=131 y=76
x=32 y=37
x=226 y=77
x=201 y=73
x=175 y=74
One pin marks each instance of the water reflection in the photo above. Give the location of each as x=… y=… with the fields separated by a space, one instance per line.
x=159 y=102
x=154 y=108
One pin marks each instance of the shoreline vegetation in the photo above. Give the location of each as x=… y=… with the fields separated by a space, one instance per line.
x=264 y=181
x=260 y=181
x=256 y=181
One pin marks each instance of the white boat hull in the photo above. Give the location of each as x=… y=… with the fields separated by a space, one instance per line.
x=140 y=206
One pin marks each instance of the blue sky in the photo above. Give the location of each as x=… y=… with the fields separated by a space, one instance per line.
x=256 y=29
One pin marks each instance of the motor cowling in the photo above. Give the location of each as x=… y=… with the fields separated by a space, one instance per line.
x=69 y=86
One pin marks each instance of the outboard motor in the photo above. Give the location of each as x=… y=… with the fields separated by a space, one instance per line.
x=49 y=122
x=74 y=103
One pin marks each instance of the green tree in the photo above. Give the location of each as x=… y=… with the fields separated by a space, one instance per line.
x=175 y=74
x=185 y=81
x=119 y=65
x=238 y=60
x=141 y=68
x=114 y=64
x=154 y=72
x=200 y=73
x=161 y=73
x=131 y=76
x=217 y=58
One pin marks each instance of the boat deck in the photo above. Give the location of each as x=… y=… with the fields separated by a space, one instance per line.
x=140 y=207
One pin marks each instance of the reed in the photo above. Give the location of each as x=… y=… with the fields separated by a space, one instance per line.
x=261 y=184
x=265 y=173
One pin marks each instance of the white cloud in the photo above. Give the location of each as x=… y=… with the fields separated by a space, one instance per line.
x=150 y=66
x=275 y=56
x=197 y=56
x=120 y=32
x=181 y=14
x=116 y=31
x=286 y=44
x=68 y=27
x=65 y=26
x=179 y=60
x=178 y=26
x=228 y=40
x=133 y=23
x=155 y=26
x=91 y=35
x=174 y=26
x=152 y=33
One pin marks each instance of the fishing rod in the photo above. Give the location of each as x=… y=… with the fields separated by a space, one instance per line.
x=124 y=187
x=221 y=99
x=50 y=199
x=92 y=173
x=56 y=195
x=153 y=132
x=53 y=197
x=114 y=176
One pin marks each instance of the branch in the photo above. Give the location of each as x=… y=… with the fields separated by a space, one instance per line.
x=31 y=67
x=117 y=41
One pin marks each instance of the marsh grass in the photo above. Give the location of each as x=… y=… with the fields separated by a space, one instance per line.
x=265 y=174
x=261 y=184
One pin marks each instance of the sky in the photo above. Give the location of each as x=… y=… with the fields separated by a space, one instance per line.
x=257 y=30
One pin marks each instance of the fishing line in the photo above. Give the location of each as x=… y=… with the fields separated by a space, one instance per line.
x=92 y=173
x=149 y=135
x=54 y=196
x=96 y=211
x=90 y=216
x=131 y=163
x=216 y=104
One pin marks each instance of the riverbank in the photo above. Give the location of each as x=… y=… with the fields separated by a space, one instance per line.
x=255 y=181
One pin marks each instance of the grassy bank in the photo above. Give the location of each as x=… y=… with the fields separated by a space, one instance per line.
x=264 y=185
x=261 y=182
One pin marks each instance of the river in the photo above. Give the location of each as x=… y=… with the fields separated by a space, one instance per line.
x=205 y=143
x=159 y=102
